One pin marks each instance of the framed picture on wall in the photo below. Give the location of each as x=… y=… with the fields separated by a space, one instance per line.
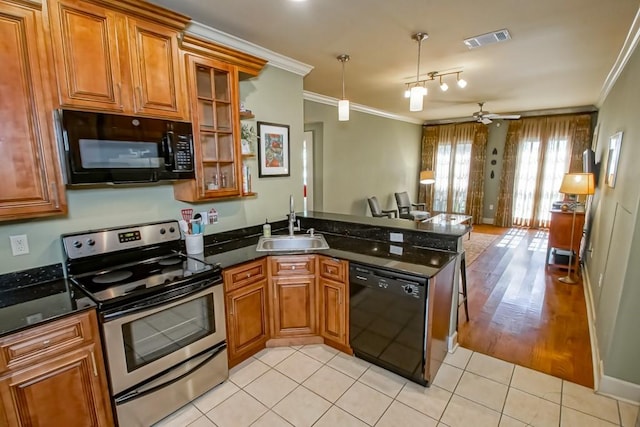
x=273 y=150
x=612 y=159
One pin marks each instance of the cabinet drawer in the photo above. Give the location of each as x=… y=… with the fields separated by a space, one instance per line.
x=334 y=269
x=245 y=274
x=45 y=341
x=289 y=265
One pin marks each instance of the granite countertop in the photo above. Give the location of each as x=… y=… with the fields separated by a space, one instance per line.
x=427 y=226
x=394 y=256
x=26 y=306
x=39 y=295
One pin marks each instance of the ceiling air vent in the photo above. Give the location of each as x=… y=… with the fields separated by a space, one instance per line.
x=489 y=38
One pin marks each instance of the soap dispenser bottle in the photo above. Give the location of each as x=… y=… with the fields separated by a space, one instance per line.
x=266 y=228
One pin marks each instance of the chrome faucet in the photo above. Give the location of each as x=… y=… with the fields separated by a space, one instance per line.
x=292 y=218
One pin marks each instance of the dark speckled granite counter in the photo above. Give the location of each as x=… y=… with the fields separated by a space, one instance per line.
x=36 y=296
x=425 y=250
x=399 y=257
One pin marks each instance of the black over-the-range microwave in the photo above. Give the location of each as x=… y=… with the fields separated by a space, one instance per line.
x=99 y=148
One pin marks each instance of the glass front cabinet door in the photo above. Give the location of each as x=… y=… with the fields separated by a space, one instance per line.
x=213 y=87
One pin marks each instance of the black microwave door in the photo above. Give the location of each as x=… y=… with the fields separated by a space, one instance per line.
x=106 y=148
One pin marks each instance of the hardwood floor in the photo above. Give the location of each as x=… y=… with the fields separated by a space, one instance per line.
x=521 y=313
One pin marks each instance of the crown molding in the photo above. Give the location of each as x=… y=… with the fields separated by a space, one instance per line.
x=275 y=59
x=630 y=43
x=328 y=100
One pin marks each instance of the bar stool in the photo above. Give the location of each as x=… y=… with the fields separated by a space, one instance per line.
x=463 y=293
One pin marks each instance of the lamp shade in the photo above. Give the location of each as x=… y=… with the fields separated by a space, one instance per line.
x=577 y=183
x=416 y=97
x=427 y=177
x=343 y=110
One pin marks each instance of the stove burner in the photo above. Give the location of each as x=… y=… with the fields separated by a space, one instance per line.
x=112 y=277
x=170 y=261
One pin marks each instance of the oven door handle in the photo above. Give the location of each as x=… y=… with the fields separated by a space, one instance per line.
x=143 y=307
x=161 y=381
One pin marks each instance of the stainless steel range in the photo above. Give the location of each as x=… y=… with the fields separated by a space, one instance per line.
x=161 y=314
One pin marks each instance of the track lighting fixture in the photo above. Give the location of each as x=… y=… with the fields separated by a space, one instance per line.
x=443 y=85
x=343 y=104
x=462 y=83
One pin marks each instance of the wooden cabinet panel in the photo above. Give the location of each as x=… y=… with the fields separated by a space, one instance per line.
x=331 y=268
x=31 y=178
x=48 y=340
x=247 y=327
x=293 y=265
x=64 y=391
x=333 y=302
x=245 y=274
x=110 y=61
x=85 y=43
x=60 y=383
x=156 y=70
x=247 y=309
x=294 y=311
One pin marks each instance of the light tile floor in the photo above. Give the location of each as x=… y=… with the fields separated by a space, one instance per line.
x=315 y=385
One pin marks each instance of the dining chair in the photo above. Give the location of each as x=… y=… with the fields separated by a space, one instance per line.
x=408 y=210
x=378 y=212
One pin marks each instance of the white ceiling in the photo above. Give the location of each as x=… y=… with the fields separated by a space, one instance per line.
x=560 y=54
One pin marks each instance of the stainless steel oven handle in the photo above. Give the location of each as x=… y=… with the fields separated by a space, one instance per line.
x=212 y=282
x=160 y=382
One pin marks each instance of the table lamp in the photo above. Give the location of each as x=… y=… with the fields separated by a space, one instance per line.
x=579 y=184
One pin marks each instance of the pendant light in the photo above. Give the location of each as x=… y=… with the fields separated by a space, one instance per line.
x=417 y=92
x=343 y=104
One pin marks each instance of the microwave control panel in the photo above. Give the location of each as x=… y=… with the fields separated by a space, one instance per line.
x=183 y=155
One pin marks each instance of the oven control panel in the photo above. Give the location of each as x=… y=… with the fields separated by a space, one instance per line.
x=98 y=242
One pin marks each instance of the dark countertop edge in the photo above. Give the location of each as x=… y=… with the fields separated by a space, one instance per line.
x=456 y=230
x=243 y=250
x=47 y=320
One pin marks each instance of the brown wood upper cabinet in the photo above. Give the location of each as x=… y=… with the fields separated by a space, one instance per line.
x=213 y=73
x=32 y=184
x=118 y=56
x=54 y=374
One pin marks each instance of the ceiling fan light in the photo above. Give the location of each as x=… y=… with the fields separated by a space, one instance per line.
x=343 y=110
x=416 y=98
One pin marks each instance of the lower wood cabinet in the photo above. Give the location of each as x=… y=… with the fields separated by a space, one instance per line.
x=293 y=286
x=246 y=303
x=54 y=375
x=333 y=302
x=286 y=299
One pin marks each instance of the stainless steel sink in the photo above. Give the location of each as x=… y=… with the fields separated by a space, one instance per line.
x=292 y=243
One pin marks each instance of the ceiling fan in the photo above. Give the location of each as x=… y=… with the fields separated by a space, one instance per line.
x=485 y=117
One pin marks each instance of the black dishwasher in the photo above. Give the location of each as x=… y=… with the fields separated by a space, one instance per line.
x=387 y=325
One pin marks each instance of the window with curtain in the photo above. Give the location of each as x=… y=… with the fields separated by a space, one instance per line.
x=453 y=163
x=539 y=151
x=457 y=154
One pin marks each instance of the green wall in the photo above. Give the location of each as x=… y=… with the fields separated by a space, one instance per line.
x=274 y=96
x=612 y=264
x=365 y=156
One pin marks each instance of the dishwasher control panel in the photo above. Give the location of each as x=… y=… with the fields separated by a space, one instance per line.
x=389 y=281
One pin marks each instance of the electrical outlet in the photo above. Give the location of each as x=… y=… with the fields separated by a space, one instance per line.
x=19 y=245
x=490 y=207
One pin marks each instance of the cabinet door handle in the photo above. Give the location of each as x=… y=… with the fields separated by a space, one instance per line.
x=46 y=343
x=119 y=86
x=54 y=193
x=248 y=275
x=95 y=367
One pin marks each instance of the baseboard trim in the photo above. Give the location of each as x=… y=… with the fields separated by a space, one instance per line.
x=619 y=389
x=452 y=342
x=591 y=320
